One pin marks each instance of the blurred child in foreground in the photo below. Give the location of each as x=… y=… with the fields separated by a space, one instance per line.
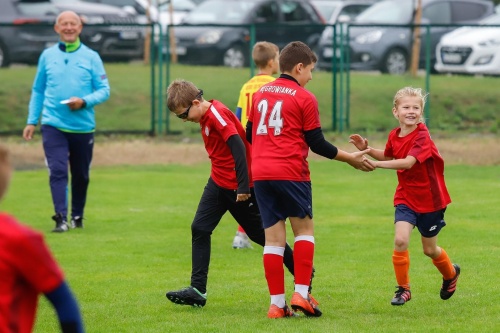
x=28 y=269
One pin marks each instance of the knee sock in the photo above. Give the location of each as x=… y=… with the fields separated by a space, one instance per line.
x=401 y=262
x=275 y=274
x=303 y=254
x=444 y=265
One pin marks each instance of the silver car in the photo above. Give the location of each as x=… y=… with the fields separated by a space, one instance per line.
x=384 y=39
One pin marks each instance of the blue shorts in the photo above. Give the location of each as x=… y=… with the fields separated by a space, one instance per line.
x=280 y=199
x=428 y=224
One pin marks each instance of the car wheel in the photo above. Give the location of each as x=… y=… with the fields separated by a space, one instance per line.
x=234 y=57
x=4 y=56
x=395 y=62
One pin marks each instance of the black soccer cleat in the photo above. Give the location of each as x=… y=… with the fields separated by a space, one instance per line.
x=188 y=296
x=401 y=296
x=449 y=286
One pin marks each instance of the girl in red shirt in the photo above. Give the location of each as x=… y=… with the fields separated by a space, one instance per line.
x=421 y=196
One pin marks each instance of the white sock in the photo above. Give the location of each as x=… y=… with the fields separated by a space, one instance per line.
x=278 y=300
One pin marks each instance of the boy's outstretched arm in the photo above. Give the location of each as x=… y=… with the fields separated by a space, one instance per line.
x=357 y=160
x=316 y=141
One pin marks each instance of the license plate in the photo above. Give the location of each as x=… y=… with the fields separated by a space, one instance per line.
x=452 y=58
x=129 y=34
x=179 y=50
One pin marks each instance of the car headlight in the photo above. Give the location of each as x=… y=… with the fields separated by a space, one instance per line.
x=490 y=42
x=92 y=19
x=209 y=37
x=327 y=35
x=369 y=37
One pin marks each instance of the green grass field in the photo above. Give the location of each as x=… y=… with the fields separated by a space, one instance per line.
x=136 y=246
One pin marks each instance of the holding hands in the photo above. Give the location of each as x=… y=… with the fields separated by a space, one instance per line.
x=362 y=144
x=359 y=161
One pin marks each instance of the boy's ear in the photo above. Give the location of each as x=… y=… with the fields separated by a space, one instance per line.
x=298 y=68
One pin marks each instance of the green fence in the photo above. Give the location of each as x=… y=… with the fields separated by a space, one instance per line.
x=137 y=102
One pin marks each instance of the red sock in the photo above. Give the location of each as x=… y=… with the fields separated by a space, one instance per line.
x=401 y=262
x=303 y=255
x=444 y=265
x=273 y=268
x=240 y=229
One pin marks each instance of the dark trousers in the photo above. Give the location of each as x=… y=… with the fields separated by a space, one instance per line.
x=214 y=203
x=60 y=149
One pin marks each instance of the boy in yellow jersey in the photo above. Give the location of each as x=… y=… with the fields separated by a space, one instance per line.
x=266 y=57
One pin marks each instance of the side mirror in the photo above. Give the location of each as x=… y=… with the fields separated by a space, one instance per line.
x=129 y=9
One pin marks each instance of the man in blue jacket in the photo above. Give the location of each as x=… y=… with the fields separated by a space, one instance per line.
x=69 y=82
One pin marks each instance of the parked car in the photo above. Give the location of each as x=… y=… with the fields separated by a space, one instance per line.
x=27 y=28
x=180 y=9
x=336 y=12
x=138 y=8
x=471 y=50
x=388 y=49
x=107 y=29
x=346 y=10
x=276 y=21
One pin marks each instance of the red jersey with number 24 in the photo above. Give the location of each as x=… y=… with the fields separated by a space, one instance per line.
x=422 y=187
x=217 y=125
x=281 y=112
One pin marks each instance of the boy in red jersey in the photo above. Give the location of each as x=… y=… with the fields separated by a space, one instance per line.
x=283 y=124
x=229 y=187
x=28 y=269
x=421 y=196
x=266 y=57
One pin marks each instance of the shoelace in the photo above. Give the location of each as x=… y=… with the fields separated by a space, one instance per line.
x=400 y=291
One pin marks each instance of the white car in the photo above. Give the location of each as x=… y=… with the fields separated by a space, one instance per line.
x=174 y=16
x=180 y=8
x=471 y=50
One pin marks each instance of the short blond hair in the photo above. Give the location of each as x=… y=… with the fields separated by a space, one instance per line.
x=262 y=52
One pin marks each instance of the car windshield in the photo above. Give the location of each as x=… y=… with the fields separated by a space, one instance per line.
x=388 y=12
x=326 y=8
x=220 y=12
x=178 y=5
x=37 y=8
x=493 y=19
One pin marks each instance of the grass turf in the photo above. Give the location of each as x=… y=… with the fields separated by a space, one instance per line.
x=136 y=246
